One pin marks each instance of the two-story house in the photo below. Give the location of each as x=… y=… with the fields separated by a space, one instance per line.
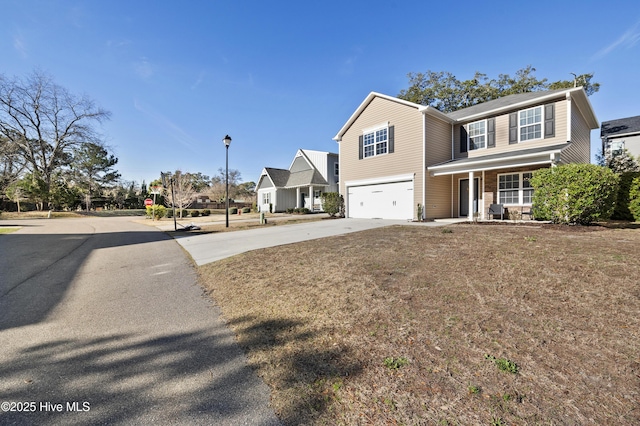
x=396 y=155
x=301 y=186
x=621 y=134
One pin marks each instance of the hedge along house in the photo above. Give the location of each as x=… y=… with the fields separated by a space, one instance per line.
x=396 y=154
x=310 y=174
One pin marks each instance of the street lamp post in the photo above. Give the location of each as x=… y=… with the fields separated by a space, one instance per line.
x=227 y=142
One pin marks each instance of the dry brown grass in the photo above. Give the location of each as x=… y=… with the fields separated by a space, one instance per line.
x=317 y=320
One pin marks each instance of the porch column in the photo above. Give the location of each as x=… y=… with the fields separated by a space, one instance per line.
x=298 y=197
x=471 y=191
x=311 y=197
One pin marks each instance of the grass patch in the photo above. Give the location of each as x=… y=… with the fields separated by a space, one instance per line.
x=318 y=318
x=8 y=230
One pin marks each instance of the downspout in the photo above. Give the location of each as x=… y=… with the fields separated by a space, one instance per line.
x=424 y=165
x=568 y=117
x=453 y=154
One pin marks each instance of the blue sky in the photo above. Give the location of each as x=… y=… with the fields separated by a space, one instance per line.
x=281 y=75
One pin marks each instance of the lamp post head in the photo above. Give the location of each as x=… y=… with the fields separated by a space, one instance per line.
x=227 y=141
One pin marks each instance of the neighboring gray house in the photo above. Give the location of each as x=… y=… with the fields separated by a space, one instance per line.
x=310 y=174
x=618 y=135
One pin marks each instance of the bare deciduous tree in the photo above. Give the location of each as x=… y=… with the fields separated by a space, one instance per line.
x=183 y=192
x=46 y=122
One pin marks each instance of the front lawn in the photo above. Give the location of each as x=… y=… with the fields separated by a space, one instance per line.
x=467 y=324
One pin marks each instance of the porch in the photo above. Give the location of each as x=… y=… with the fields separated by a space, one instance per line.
x=475 y=184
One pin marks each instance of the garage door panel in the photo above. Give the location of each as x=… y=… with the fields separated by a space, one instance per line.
x=393 y=200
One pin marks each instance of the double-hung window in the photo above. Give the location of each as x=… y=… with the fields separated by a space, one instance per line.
x=514 y=188
x=478 y=135
x=376 y=142
x=266 y=198
x=530 y=123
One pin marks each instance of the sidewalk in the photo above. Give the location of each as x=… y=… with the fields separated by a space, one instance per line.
x=167 y=224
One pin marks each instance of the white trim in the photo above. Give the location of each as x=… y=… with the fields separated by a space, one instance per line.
x=486 y=139
x=540 y=123
x=435 y=113
x=374 y=132
x=514 y=161
x=568 y=117
x=383 y=179
x=458 y=194
x=370 y=97
x=524 y=104
x=620 y=135
x=520 y=189
x=496 y=167
x=301 y=153
x=374 y=128
x=424 y=166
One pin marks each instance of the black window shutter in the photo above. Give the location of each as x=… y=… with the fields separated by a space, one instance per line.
x=513 y=128
x=491 y=133
x=549 y=121
x=463 y=139
x=391 y=139
x=360 y=142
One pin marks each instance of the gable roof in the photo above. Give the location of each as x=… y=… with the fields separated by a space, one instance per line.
x=422 y=108
x=504 y=102
x=282 y=178
x=620 y=127
x=279 y=177
x=523 y=100
x=485 y=109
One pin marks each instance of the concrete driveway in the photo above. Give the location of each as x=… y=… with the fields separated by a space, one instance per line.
x=208 y=248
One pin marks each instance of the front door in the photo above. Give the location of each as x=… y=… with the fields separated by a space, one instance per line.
x=464 y=197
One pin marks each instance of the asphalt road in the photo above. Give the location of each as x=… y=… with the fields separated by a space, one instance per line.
x=102 y=322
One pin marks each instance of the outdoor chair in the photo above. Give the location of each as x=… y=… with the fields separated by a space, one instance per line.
x=528 y=213
x=495 y=210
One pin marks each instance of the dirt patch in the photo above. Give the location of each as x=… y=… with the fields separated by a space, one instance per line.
x=411 y=325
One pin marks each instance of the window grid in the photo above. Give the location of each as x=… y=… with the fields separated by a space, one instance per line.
x=376 y=143
x=477 y=135
x=531 y=124
x=511 y=192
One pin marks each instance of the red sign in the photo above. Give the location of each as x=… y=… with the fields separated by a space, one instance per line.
x=148 y=202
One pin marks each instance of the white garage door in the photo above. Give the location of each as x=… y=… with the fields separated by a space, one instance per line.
x=384 y=200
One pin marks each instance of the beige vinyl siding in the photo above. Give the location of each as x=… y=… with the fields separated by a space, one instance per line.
x=407 y=155
x=438 y=194
x=579 y=151
x=455 y=190
x=502 y=134
x=438 y=199
x=438 y=141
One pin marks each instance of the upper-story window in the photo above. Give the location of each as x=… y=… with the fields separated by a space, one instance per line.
x=616 y=147
x=530 y=123
x=478 y=135
x=336 y=169
x=375 y=142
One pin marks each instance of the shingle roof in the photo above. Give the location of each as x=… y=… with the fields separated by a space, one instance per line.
x=285 y=179
x=503 y=155
x=278 y=176
x=502 y=102
x=620 y=126
x=306 y=178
